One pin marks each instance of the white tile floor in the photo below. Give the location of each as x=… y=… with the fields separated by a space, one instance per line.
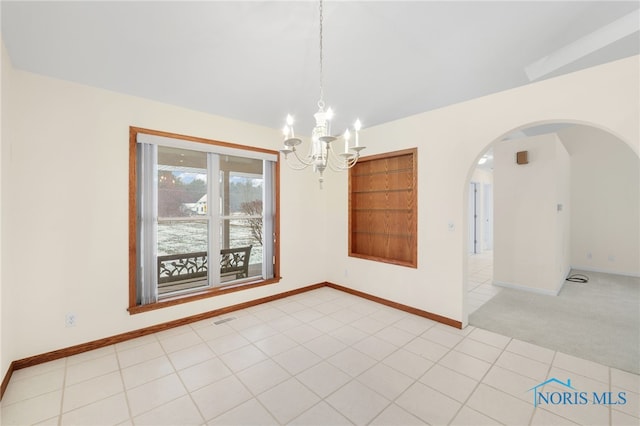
x=480 y=288
x=319 y=358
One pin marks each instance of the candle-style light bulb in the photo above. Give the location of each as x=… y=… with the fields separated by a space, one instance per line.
x=329 y=117
x=290 y=124
x=347 y=136
x=357 y=125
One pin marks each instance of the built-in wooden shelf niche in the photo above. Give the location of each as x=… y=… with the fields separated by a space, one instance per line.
x=383 y=208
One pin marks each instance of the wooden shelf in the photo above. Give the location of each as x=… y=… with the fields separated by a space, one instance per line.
x=384 y=172
x=383 y=212
x=377 y=191
x=385 y=234
x=370 y=209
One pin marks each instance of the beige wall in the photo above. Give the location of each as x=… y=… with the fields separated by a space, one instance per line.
x=605 y=218
x=65 y=207
x=450 y=141
x=65 y=187
x=531 y=234
x=4 y=99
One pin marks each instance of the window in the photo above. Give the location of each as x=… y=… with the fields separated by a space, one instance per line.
x=203 y=218
x=383 y=208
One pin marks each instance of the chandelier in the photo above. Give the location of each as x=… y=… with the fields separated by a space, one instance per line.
x=320 y=154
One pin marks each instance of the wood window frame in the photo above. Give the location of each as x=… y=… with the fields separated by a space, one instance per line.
x=392 y=235
x=135 y=308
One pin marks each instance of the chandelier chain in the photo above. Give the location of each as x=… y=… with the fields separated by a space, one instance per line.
x=321 y=101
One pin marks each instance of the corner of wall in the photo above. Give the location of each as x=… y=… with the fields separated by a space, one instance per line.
x=4 y=74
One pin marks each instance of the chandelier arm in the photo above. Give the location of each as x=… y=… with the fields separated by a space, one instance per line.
x=295 y=165
x=335 y=167
x=299 y=163
x=307 y=161
x=343 y=163
x=335 y=162
x=351 y=162
x=342 y=167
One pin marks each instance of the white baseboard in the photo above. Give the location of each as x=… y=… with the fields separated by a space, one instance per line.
x=605 y=271
x=529 y=289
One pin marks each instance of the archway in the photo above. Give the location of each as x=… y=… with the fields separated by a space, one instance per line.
x=599 y=213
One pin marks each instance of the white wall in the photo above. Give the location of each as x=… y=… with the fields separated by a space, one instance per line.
x=531 y=235
x=605 y=214
x=563 y=217
x=65 y=207
x=450 y=141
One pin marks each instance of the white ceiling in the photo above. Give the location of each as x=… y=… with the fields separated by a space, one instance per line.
x=257 y=61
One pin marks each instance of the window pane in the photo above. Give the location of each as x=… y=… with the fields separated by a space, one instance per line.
x=241 y=189
x=241 y=234
x=182 y=236
x=182 y=183
x=182 y=220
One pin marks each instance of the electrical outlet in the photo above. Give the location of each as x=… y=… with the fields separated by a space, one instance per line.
x=70 y=320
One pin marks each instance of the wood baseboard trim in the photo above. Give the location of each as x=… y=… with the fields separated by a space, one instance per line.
x=7 y=377
x=400 y=306
x=118 y=338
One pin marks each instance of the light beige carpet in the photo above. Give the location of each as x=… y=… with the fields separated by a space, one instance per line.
x=598 y=320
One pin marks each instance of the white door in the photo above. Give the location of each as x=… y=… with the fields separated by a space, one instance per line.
x=487 y=228
x=473 y=218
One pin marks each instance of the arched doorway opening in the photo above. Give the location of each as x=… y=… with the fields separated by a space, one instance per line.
x=572 y=207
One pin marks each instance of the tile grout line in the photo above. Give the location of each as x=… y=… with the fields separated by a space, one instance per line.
x=124 y=386
x=177 y=373
x=392 y=401
x=355 y=378
x=351 y=378
x=165 y=354
x=62 y=393
x=479 y=382
x=322 y=359
x=269 y=357
x=62 y=412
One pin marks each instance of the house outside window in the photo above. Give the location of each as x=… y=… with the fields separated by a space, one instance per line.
x=203 y=218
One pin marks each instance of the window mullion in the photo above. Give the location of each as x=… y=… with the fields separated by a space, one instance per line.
x=213 y=210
